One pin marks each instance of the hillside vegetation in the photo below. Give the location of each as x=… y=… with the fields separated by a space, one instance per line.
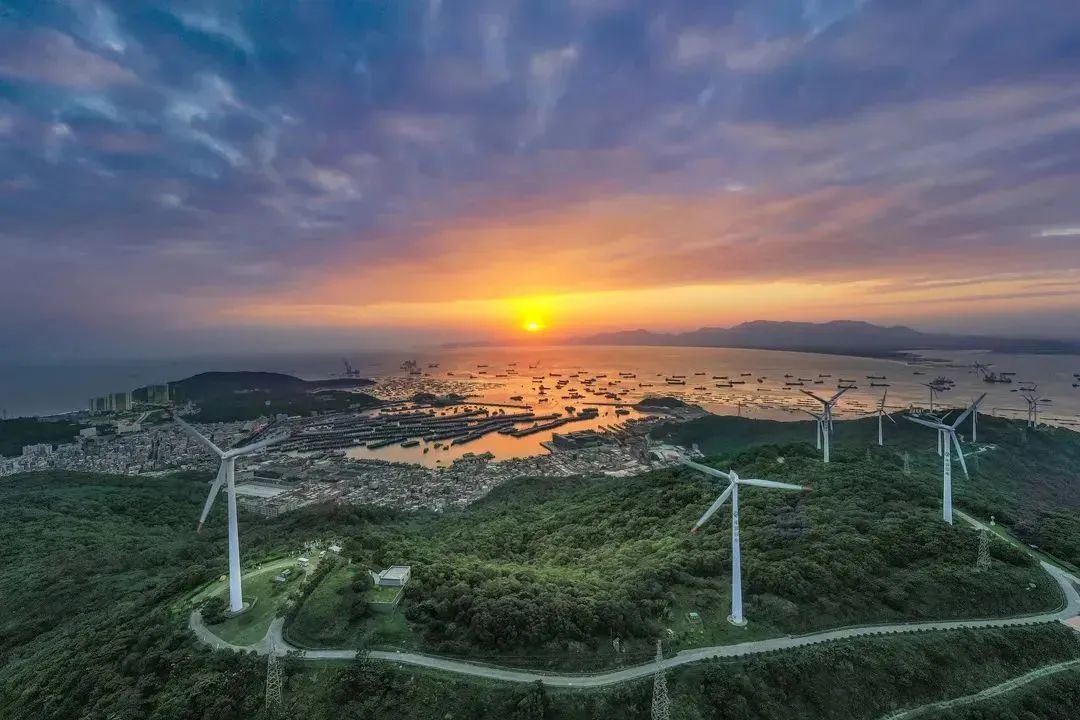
x=16 y=432
x=1028 y=479
x=97 y=568
x=552 y=570
x=225 y=396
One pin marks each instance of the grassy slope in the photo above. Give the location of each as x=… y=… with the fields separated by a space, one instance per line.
x=324 y=618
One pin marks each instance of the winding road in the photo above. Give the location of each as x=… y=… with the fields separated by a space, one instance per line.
x=987 y=693
x=275 y=640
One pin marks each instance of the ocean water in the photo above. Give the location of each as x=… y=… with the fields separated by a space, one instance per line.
x=44 y=389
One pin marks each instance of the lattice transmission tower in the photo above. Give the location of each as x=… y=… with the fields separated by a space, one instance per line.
x=661 y=703
x=273 y=682
x=983 y=561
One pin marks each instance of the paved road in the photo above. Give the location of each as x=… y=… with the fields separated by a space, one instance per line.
x=993 y=691
x=685 y=657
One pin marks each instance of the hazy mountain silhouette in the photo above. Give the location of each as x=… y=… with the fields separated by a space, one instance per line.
x=847 y=337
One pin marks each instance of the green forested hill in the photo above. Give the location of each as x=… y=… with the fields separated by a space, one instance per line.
x=91 y=566
x=1029 y=479
x=95 y=570
x=224 y=396
x=16 y=432
x=569 y=564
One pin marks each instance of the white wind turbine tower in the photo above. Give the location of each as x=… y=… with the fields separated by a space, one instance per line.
x=881 y=412
x=1033 y=402
x=933 y=389
x=948 y=432
x=826 y=414
x=227 y=476
x=732 y=491
x=975 y=419
x=819 y=420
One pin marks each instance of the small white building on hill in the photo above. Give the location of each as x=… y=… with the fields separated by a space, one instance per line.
x=393 y=576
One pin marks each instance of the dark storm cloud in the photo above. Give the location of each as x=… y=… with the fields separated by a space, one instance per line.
x=162 y=157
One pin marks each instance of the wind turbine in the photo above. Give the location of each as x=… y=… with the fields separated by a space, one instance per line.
x=881 y=412
x=948 y=433
x=933 y=389
x=819 y=420
x=732 y=491
x=227 y=475
x=826 y=413
x=975 y=419
x=1033 y=402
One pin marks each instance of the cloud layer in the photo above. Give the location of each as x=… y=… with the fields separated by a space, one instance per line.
x=175 y=169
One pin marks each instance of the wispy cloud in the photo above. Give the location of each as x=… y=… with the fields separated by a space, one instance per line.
x=343 y=157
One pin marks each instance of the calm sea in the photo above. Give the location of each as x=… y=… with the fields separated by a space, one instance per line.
x=42 y=390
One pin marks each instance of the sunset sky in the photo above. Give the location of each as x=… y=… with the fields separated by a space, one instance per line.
x=198 y=177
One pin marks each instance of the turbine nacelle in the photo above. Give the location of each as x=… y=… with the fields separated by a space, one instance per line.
x=733 y=482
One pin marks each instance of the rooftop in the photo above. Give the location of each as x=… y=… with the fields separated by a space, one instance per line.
x=395 y=572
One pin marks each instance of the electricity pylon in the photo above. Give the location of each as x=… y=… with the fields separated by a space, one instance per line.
x=273 y=682
x=983 y=561
x=661 y=703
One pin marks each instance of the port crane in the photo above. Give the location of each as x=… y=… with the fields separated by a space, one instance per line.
x=349 y=369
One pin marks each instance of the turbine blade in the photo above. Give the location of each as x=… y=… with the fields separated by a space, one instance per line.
x=971 y=409
x=202 y=438
x=772 y=484
x=713 y=508
x=707 y=470
x=812 y=414
x=927 y=423
x=821 y=400
x=959 y=452
x=256 y=446
x=215 y=489
x=839 y=392
x=890 y=418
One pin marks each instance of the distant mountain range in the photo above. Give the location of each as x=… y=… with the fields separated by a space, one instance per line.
x=842 y=337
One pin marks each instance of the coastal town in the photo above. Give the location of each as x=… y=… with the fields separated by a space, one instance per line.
x=306 y=470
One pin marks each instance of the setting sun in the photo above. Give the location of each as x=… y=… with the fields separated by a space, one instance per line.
x=532 y=326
